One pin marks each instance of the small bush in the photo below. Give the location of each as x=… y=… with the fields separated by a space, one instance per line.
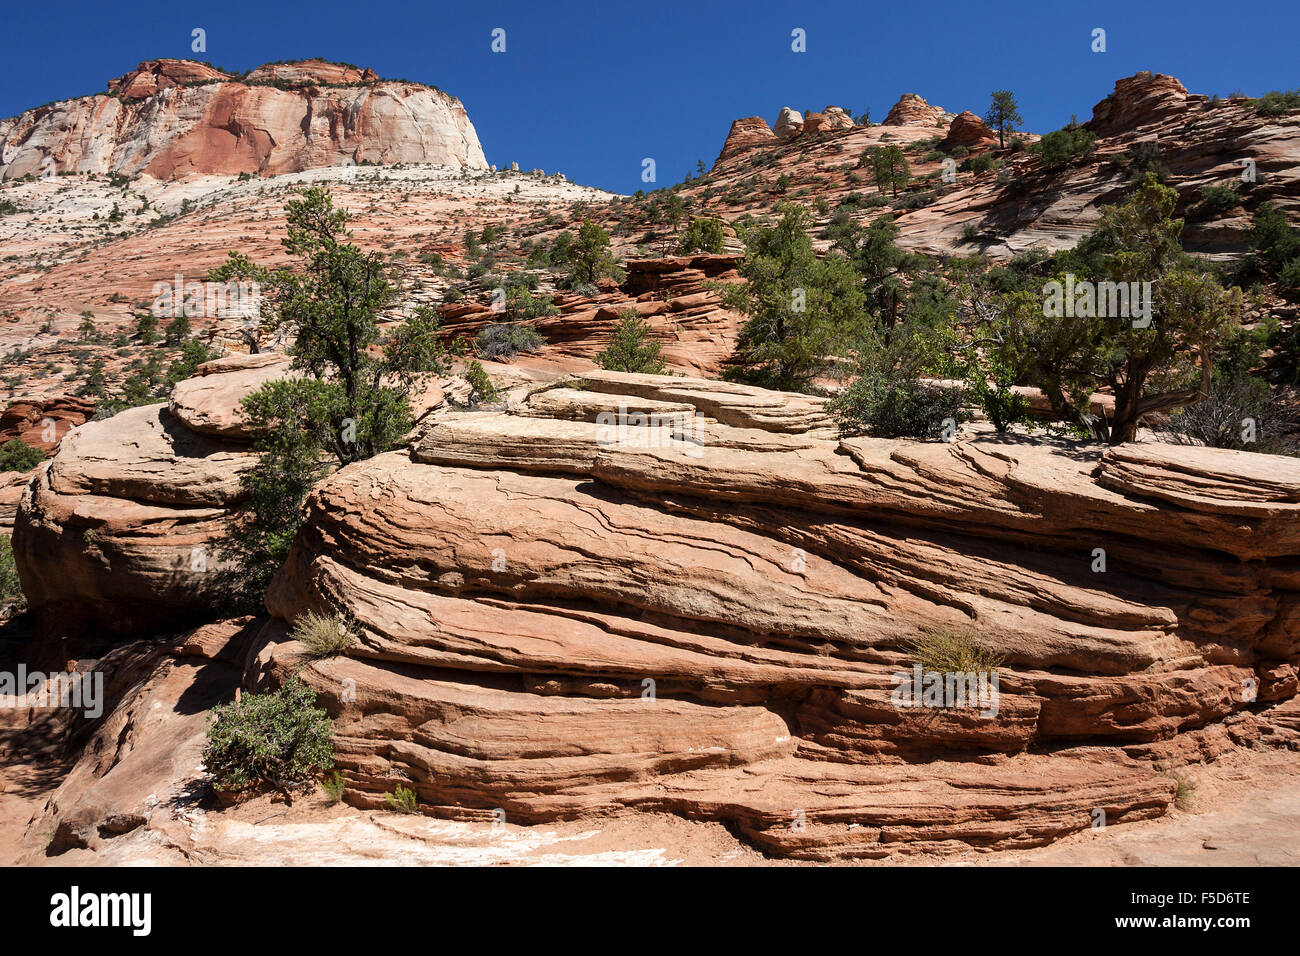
x=481 y=389
x=952 y=652
x=11 y=589
x=334 y=785
x=506 y=340
x=17 y=455
x=402 y=800
x=324 y=635
x=280 y=739
x=1277 y=102
x=1067 y=145
x=1217 y=200
x=630 y=348
x=979 y=164
x=704 y=234
x=908 y=409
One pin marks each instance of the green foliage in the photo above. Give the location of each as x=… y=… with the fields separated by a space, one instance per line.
x=288 y=415
x=402 y=800
x=1217 y=200
x=323 y=635
x=193 y=354
x=334 y=786
x=704 y=234
x=522 y=305
x=889 y=167
x=979 y=164
x=146 y=327
x=885 y=407
x=279 y=739
x=1277 y=244
x=11 y=589
x=351 y=401
x=1277 y=102
x=177 y=330
x=630 y=347
x=482 y=390
x=1166 y=364
x=503 y=342
x=561 y=248
x=989 y=380
x=1067 y=145
x=589 y=256
x=17 y=455
x=1003 y=114
x=801 y=310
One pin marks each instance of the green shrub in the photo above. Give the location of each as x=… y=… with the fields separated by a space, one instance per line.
x=704 y=234
x=481 y=389
x=630 y=347
x=279 y=739
x=17 y=455
x=323 y=635
x=979 y=164
x=522 y=305
x=506 y=340
x=402 y=800
x=1066 y=145
x=334 y=785
x=1217 y=200
x=873 y=405
x=1277 y=102
x=11 y=589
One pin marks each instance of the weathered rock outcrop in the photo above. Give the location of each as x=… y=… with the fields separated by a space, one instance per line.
x=912 y=110
x=1139 y=100
x=173 y=118
x=684 y=595
x=970 y=131
x=122 y=530
x=672 y=294
x=789 y=124
x=42 y=424
x=744 y=135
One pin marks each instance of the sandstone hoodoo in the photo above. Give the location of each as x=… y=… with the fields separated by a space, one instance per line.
x=174 y=118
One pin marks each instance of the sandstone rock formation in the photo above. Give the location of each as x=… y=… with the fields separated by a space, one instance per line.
x=913 y=110
x=1140 y=100
x=122 y=529
x=672 y=294
x=174 y=118
x=42 y=424
x=970 y=131
x=523 y=577
x=789 y=124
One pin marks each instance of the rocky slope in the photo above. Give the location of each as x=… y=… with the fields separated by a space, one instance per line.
x=701 y=607
x=176 y=118
x=1199 y=141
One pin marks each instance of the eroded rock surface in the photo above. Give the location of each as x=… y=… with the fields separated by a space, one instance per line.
x=564 y=614
x=174 y=118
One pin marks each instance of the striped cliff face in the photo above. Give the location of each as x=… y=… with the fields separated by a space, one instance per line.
x=170 y=123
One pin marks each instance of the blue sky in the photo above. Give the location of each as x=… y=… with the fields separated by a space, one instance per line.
x=591 y=88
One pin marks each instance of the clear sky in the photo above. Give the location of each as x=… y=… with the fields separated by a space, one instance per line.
x=591 y=88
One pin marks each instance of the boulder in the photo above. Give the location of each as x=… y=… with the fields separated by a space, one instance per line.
x=789 y=124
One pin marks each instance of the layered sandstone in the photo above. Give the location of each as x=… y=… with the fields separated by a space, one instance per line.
x=912 y=110
x=171 y=119
x=523 y=577
x=744 y=135
x=970 y=131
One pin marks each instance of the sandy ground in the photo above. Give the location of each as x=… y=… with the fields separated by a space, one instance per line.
x=1244 y=811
